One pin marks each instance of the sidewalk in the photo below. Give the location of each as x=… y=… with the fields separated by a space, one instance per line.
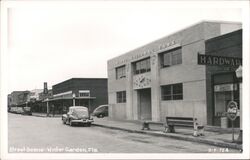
x=213 y=135
x=216 y=137
x=45 y=115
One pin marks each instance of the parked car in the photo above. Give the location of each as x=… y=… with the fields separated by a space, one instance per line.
x=26 y=111
x=101 y=111
x=77 y=115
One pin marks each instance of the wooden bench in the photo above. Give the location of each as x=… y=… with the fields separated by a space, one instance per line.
x=191 y=122
x=145 y=124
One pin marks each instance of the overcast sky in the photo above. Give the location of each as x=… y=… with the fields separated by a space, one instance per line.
x=53 y=43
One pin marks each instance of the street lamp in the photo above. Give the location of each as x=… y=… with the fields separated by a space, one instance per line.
x=74 y=101
x=238 y=72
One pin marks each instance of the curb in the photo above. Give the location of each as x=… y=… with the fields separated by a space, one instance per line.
x=195 y=139
x=45 y=116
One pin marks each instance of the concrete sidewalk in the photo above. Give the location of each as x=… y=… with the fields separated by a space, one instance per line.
x=45 y=115
x=213 y=136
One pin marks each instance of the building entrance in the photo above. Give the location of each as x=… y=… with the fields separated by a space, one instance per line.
x=223 y=94
x=144 y=104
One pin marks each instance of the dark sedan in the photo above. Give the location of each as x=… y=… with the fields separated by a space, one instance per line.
x=77 y=115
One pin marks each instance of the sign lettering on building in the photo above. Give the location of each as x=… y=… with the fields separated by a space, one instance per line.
x=225 y=87
x=218 y=60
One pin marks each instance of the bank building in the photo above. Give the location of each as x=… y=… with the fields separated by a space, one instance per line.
x=190 y=73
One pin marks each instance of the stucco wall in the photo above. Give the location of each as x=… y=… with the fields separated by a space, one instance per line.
x=192 y=105
x=192 y=75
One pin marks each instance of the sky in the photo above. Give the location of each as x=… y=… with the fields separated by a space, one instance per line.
x=53 y=42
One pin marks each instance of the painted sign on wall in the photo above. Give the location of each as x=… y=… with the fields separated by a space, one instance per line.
x=218 y=60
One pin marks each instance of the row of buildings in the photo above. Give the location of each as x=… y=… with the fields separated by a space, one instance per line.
x=89 y=92
x=190 y=73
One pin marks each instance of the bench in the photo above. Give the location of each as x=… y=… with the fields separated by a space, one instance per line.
x=191 y=122
x=145 y=124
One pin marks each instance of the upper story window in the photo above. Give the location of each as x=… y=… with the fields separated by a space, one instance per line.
x=142 y=66
x=121 y=97
x=84 y=93
x=172 y=92
x=172 y=57
x=121 y=72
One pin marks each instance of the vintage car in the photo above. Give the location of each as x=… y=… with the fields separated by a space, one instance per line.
x=101 y=111
x=77 y=115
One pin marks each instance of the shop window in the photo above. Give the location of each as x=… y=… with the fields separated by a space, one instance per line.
x=172 y=92
x=121 y=97
x=223 y=94
x=121 y=72
x=171 y=58
x=142 y=66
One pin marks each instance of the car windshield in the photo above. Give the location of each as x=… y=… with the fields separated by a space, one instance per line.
x=100 y=109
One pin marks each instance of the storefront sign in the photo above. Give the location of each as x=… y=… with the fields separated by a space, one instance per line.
x=225 y=87
x=232 y=110
x=218 y=60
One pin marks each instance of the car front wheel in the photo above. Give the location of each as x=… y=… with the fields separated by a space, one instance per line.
x=70 y=123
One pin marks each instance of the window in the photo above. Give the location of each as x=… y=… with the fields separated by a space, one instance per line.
x=142 y=66
x=120 y=72
x=121 y=97
x=172 y=92
x=172 y=57
x=84 y=93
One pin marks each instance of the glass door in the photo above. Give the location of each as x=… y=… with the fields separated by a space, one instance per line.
x=223 y=94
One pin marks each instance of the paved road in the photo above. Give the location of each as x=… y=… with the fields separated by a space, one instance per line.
x=38 y=134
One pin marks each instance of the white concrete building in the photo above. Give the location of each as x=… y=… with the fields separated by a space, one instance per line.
x=163 y=78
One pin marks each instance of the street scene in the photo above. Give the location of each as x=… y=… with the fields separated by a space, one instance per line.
x=32 y=134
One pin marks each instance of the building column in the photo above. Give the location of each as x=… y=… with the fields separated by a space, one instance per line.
x=241 y=107
x=129 y=92
x=155 y=87
x=47 y=107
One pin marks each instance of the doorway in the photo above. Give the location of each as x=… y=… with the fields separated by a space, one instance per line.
x=144 y=104
x=223 y=94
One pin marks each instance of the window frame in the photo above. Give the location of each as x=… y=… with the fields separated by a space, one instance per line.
x=142 y=66
x=120 y=72
x=174 y=55
x=172 y=94
x=121 y=97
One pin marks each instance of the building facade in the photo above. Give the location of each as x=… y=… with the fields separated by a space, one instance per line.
x=89 y=92
x=223 y=57
x=164 y=78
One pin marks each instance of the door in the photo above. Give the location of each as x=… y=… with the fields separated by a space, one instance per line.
x=223 y=94
x=144 y=100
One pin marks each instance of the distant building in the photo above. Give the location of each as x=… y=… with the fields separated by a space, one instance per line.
x=47 y=94
x=34 y=94
x=169 y=77
x=89 y=92
x=13 y=99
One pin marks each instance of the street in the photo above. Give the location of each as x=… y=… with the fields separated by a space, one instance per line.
x=39 y=134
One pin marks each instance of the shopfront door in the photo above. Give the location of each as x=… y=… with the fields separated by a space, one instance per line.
x=223 y=94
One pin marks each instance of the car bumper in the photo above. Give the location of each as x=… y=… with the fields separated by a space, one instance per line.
x=82 y=121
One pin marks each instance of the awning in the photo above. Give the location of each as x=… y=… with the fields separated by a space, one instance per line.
x=68 y=98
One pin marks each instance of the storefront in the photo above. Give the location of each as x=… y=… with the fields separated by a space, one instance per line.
x=89 y=92
x=225 y=53
x=165 y=77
